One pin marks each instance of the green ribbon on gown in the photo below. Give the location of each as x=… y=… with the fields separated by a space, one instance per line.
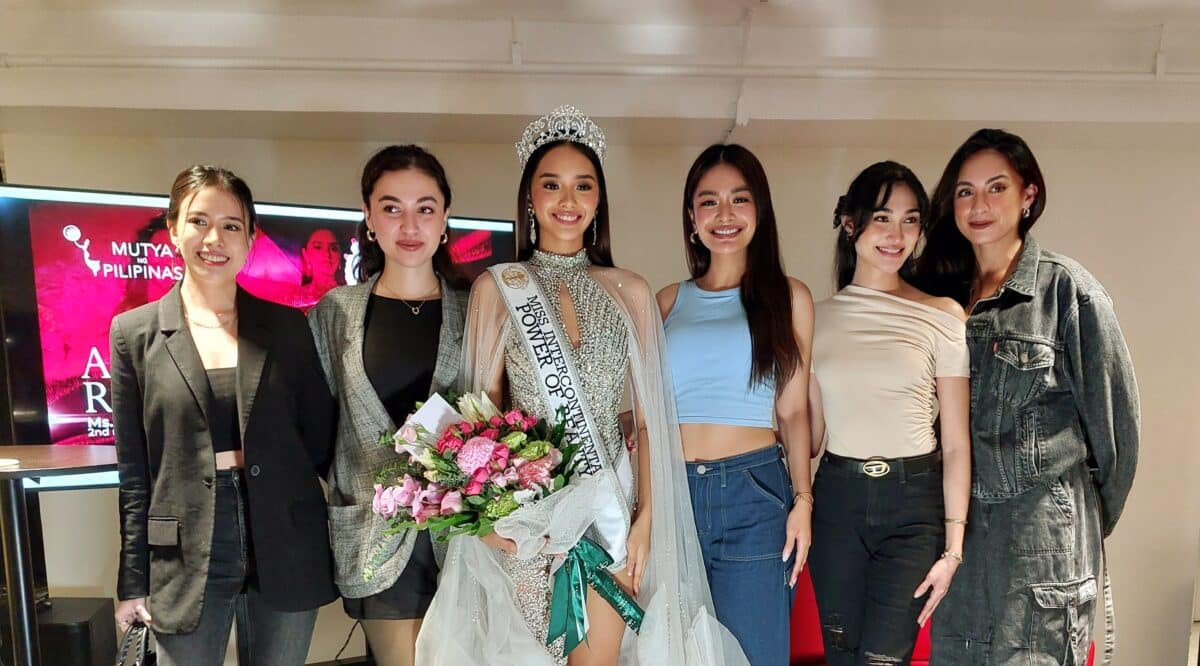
x=586 y=564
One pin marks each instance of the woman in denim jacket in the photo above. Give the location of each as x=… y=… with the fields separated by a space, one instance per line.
x=1054 y=417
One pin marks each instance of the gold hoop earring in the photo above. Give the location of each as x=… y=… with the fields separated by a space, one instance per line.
x=370 y=235
x=1025 y=212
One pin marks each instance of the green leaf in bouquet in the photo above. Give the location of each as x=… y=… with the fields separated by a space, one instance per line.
x=484 y=527
x=476 y=500
x=448 y=472
x=559 y=482
x=391 y=472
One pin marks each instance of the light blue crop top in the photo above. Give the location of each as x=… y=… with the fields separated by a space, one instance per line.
x=708 y=348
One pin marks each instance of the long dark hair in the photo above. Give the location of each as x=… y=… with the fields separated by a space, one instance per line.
x=947 y=265
x=399 y=158
x=600 y=252
x=766 y=294
x=869 y=192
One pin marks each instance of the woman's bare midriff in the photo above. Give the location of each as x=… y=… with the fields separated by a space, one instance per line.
x=230 y=460
x=713 y=441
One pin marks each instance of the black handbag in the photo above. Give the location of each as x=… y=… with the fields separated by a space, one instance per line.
x=137 y=641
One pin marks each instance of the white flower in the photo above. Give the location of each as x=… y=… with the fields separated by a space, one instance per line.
x=477 y=407
x=525 y=496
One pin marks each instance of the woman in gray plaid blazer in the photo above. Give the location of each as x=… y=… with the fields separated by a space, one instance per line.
x=385 y=344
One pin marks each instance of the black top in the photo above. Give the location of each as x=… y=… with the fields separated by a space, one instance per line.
x=400 y=351
x=161 y=400
x=223 y=412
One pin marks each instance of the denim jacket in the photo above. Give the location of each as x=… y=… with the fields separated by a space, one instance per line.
x=1052 y=384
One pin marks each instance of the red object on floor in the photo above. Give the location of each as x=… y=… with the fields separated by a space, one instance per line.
x=807 y=647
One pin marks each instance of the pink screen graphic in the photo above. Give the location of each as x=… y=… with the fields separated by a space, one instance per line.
x=92 y=262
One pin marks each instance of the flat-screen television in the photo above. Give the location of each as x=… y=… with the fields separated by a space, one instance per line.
x=71 y=260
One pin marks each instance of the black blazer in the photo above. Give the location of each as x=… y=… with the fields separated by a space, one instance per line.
x=166 y=463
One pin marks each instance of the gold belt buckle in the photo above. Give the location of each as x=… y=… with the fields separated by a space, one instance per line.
x=876 y=468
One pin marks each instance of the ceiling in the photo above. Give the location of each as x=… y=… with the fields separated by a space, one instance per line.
x=795 y=72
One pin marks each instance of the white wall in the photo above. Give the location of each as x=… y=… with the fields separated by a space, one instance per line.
x=1129 y=214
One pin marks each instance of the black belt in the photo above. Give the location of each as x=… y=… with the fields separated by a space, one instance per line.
x=877 y=467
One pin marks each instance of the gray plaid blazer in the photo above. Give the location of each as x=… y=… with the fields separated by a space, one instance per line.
x=355 y=532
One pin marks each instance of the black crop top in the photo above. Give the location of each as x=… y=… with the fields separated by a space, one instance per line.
x=223 y=410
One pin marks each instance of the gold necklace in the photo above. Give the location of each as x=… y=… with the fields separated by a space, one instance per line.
x=223 y=320
x=416 y=309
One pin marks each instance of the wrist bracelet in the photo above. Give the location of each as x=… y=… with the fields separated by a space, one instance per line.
x=955 y=521
x=952 y=555
x=802 y=495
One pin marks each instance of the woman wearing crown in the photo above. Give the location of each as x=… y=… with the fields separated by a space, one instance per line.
x=565 y=329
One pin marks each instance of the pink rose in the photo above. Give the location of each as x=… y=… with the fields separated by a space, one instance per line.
x=500 y=457
x=514 y=418
x=475 y=486
x=451 y=503
x=425 y=512
x=384 y=503
x=491 y=433
x=475 y=453
x=407 y=490
x=530 y=421
x=466 y=427
x=538 y=472
x=496 y=421
x=448 y=442
x=505 y=478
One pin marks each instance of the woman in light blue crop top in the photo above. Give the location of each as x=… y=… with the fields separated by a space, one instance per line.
x=738 y=340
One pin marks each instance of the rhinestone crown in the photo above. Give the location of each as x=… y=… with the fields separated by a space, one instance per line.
x=565 y=122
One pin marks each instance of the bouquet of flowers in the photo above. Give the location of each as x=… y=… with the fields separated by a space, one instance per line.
x=460 y=471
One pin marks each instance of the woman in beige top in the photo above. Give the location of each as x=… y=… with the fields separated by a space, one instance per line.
x=890 y=505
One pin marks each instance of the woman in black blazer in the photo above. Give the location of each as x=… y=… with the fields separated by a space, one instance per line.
x=224 y=424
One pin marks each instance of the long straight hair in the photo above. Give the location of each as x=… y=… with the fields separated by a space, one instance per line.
x=766 y=294
x=599 y=252
x=947 y=265
x=869 y=192
x=400 y=158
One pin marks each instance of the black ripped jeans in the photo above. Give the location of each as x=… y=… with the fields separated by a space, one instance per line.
x=874 y=540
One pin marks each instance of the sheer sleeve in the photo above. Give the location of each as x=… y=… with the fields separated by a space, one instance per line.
x=675 y=592
x=483 y=338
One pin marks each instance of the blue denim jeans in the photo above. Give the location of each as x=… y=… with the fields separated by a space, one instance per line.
x=741 y=506
x=266 y=637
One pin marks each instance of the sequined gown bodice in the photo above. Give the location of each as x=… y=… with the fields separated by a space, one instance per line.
x=601 y=362
x=601 y=359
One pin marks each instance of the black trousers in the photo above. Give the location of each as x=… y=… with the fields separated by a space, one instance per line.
x=874 y=540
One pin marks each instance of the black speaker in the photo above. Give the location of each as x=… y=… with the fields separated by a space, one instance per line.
x=72 y=631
